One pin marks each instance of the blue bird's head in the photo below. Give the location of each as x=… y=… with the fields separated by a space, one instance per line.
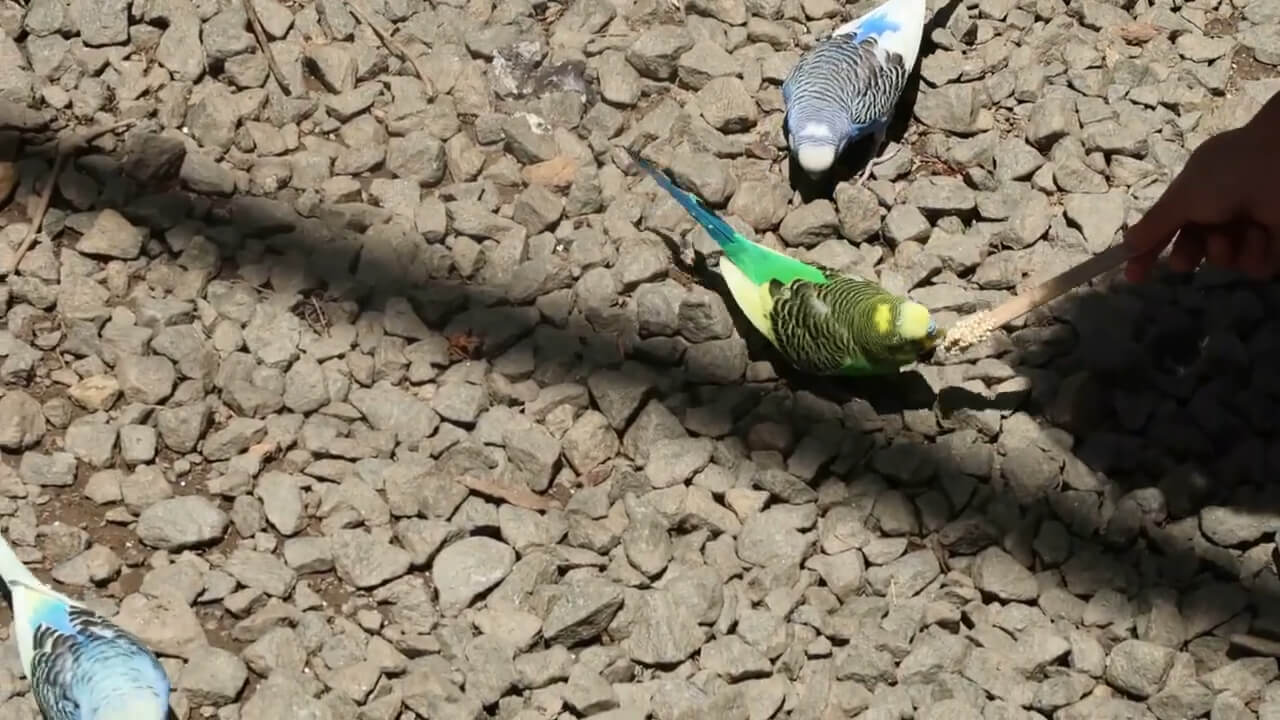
x=818 y=138
x=816 y=146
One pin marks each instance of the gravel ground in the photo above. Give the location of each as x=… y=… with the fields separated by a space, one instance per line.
x=384 y=399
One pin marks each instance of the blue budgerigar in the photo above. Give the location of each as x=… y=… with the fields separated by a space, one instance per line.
x=848 y=84
x=81 y=665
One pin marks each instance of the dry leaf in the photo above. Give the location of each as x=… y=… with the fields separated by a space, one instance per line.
x=762 y=150
x=464 y=345
x=518 y=496
x=264 y=450
x=1137 y=33
x=596 y=475
x=558 y=172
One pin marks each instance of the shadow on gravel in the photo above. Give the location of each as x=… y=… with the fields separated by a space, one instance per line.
x=1119 y=441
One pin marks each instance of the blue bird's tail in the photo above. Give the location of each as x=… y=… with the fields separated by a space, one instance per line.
x=722 y=232
x=753 y=262
x=897 y=26
x=12 y=569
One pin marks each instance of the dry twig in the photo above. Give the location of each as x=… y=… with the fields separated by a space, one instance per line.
x=324 y=321
x=681 y=277
x=515 y=495
x=939 y=552
x=309 y=311
x=391 y=45
x=1255 y=644
x=255 y=22
x=67 y=146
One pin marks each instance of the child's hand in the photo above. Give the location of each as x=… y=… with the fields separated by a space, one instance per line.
x=1224 y=205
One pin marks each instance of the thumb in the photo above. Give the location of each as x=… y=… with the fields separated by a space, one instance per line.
x=1155 y=229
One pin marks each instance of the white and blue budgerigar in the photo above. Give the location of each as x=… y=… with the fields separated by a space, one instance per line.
x=849 y=83
x=81 y=666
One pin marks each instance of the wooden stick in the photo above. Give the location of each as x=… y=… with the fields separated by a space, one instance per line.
x=391 y=45
x=975 y=328
x=255 y=22
x=67 y=146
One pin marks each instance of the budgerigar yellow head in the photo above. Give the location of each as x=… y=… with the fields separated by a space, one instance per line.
x=916 y=325
x=901 y=330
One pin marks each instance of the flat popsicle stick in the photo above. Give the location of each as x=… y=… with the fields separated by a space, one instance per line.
x=974 y=328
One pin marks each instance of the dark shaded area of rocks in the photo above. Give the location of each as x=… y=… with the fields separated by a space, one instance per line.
x=263 y=336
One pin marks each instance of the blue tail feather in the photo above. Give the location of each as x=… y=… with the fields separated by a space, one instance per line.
x=45 y=610
x=719 y=230
x=756 y=262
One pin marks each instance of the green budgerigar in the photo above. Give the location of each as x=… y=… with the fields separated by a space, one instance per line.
x=824 y=322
